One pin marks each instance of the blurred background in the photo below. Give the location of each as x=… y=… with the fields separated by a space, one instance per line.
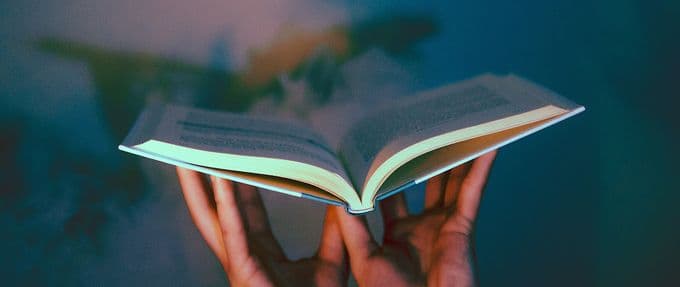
x=589 y=202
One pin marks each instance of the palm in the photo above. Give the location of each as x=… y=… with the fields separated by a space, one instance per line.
x=237 y=229
x=432 y=248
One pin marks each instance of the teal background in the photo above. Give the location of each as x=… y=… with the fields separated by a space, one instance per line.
x=589 y=202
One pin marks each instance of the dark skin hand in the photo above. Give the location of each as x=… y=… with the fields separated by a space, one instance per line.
x=433 y=248
x=234 y=223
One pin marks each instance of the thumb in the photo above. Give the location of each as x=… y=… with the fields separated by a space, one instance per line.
x=331 y=248
x=360 y=244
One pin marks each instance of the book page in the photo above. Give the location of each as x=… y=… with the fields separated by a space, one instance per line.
x=376 y=138
x=369 y=81
x=238 y=134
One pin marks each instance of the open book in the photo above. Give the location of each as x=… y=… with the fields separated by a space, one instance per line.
x=389 y=149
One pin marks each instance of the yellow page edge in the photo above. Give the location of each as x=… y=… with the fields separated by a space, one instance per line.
x=502 y=143
x=206 y=170
x=215 y=172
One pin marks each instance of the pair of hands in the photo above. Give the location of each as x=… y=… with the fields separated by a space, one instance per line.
x=432 y=248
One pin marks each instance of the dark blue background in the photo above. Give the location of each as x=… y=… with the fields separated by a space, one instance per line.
x=591 y=201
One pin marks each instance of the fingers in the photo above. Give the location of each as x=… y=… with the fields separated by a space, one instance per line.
x=250 y=202
x=434 y=191
x=233 y=231
x=454 y=182
x=331 y=248
x=256 y=222
x=472 y=186
x=393 y=208
x=223 y=226
x=357 y=238
x=202 y=211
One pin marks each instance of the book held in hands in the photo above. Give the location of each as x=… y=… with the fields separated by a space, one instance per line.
x=384 y=151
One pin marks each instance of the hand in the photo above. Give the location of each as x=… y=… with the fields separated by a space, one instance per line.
x=236 y=228
x=432 y=248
